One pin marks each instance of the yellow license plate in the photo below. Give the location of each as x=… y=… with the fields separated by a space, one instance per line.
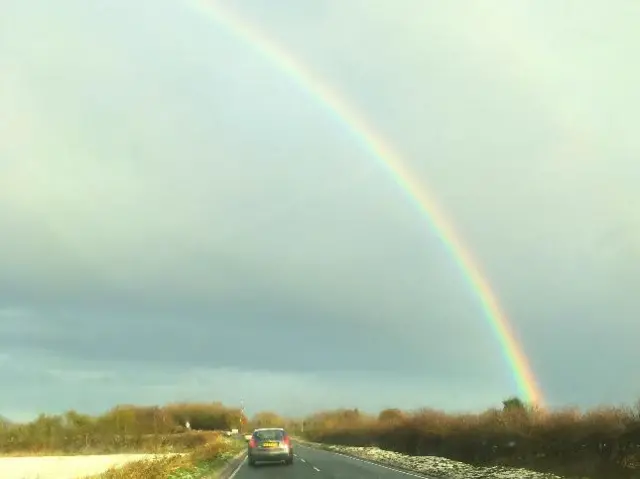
x=270 y=444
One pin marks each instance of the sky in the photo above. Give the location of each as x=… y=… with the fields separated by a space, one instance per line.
x=180 y=220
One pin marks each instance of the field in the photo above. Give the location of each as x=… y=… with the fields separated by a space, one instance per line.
x=63 y=467
x=127 y=442
x=199 y=463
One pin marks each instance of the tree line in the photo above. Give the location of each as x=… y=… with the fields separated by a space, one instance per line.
x=124 y=427
x=598 y=443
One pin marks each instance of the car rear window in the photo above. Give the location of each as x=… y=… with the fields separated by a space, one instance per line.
x=269 y=435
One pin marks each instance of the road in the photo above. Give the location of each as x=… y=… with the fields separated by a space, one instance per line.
x=318 y=464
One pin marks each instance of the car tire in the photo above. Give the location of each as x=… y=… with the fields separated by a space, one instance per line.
x=289 y=461
x=252 y=462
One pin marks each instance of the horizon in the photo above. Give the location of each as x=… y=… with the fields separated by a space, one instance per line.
x=371 y=412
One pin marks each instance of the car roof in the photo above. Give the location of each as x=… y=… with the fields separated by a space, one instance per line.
x=269 y=429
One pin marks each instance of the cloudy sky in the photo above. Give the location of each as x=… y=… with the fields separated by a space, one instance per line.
x=181 y=220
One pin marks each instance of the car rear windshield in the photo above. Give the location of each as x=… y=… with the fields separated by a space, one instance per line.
x=269 y=435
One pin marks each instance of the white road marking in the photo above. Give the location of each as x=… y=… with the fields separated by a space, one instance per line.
x=302 y=460
x=316 y=469
x=237 y=469
x=399 y=471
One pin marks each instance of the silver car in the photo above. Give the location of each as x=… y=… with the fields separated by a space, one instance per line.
x=270 y=444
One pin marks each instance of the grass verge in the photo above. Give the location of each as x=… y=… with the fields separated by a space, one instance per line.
x=142 y=444
x=204 y=462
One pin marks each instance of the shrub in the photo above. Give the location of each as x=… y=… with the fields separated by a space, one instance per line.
x=603 y=442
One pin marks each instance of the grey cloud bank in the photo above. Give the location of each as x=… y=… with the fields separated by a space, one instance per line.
x=172 y=206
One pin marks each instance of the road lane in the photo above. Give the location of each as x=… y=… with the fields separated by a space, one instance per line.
x=319 y=464
x=338 y=466
x=299 y=469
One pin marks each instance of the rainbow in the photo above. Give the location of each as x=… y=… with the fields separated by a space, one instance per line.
x=335 y=105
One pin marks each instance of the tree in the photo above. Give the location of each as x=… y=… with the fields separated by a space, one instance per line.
x=391 y=416
x=267 y=419
x=4 y=423
x=513 y=403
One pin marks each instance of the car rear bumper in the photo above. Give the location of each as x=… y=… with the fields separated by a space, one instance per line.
x=269 y=455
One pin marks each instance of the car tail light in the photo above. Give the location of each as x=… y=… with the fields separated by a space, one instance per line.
x=286 y=440
x=252 y=442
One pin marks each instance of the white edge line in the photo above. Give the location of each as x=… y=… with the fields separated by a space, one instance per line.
x=237 y=469
x=399 y=471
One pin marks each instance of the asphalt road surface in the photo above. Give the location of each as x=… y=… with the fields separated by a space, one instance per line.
x=318 y=464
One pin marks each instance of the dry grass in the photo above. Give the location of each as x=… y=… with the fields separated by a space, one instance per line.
x=164 y=467
x=203 y=460
x=150 y=444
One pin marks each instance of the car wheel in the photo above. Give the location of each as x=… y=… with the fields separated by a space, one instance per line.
x=252 y=463
x=289 y=461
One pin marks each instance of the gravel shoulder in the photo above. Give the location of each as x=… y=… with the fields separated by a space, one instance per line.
x=63 y=467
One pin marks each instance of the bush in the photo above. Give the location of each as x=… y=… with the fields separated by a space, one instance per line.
x=603 y=442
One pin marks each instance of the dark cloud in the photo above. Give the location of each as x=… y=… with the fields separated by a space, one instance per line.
x=180 y=218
